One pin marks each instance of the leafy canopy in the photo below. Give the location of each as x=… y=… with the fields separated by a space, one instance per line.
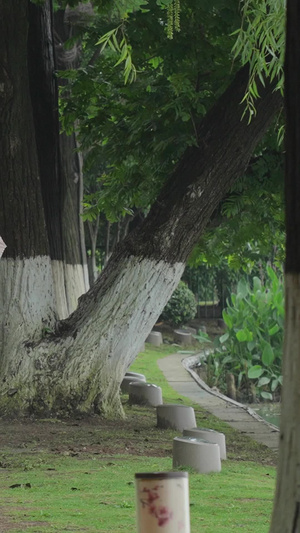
x=261 y=43
x=133 y=135
x=248 y=227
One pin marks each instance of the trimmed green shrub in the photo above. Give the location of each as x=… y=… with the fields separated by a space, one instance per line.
x=181 y=307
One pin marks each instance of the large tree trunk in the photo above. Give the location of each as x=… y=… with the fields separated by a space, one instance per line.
x=27 y=304
x=60 y=169
x=34 y=289
x=81 y=364
x=286 y=513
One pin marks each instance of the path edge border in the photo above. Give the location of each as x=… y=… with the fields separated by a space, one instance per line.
x=189 y=362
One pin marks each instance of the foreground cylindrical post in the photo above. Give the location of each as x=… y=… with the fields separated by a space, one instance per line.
x=162 y=501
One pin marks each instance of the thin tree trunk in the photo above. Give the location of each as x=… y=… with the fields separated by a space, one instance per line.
x=83 y=254
x=75 y=258
x=286 y=512
x=107 y=243
x=93 y=231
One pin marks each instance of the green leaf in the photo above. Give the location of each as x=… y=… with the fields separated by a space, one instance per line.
x=268 y=355
x=263 y=381
x=227 y=319
x=256 y=284
x=272 y=275
x=227 y=359
x=224 y=338
x=266 y=395
x=242 y=289
x=274 y=384
x=124 y=53
x=251 y=345
x=255 y=372
x=115 y=41
x=274 y=330
x=244 y=335
x=202 y=337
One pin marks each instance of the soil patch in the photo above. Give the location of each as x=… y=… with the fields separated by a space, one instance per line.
x=83 y=436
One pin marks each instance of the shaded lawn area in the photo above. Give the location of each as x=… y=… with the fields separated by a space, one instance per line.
x=78 y=475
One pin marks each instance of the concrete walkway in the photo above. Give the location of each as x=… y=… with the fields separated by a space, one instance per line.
x=178 y=372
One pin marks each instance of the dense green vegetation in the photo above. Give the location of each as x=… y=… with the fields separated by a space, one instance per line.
x=181 y=307
x=251 y=347
x=133 y=134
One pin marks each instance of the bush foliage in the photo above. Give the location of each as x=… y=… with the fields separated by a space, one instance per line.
x=181 y=307
x=251 y=347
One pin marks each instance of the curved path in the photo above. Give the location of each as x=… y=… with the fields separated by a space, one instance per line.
x=178 y=371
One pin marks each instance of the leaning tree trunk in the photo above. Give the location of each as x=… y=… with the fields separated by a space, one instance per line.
x=81 y=364
x=286 y=512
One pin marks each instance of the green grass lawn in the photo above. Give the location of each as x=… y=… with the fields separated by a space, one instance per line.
x=86 y=484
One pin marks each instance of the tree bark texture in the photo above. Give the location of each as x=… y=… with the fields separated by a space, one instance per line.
x=71 y=159
x=60 y=170
x=22 y=223
x=26 y=295
x=286 y=512
x=44 y=95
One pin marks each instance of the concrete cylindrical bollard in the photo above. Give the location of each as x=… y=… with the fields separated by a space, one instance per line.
x=162 y=502
x=182 y=337
x=129 y=379
x=210 y=435
x=142 y=377
x=141 y=393
x=175 y=416
x=155 y=338
x=199 y=454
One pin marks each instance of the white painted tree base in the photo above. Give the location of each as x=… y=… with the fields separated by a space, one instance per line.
x=27 y=307
x=70 y=283
x=82 y=368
